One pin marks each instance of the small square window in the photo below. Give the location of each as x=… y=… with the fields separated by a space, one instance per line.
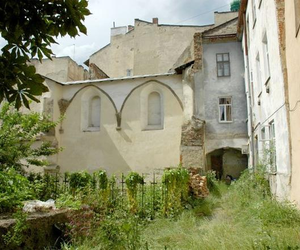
x=223 y=64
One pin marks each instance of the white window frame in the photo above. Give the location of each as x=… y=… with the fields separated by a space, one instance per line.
x=267 y=72
x=225 y=112
x=258 y=74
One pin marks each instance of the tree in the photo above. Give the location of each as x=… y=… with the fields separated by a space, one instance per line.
x=18 y=133
x=29 y=28
x=235 y=5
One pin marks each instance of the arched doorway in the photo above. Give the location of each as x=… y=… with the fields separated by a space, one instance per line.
x=226 y=161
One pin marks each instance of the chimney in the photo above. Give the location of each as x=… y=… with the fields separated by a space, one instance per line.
x=155 y=20
x=130 y=28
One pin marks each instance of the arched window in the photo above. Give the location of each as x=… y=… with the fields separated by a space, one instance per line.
x=94 y=112
x=154 y=109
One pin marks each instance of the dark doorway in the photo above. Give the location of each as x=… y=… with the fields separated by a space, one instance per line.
x=217 y=165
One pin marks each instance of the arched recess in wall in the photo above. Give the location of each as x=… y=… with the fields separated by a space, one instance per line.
x=151 y=86
x=90 y=110
x=152 y=107
x=90 y=100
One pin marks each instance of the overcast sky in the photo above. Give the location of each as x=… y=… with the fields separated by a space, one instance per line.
x=123 y=13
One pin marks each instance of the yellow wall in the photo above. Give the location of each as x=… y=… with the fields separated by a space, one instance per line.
x=293 y=66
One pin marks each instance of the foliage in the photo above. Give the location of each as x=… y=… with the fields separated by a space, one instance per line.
x=263 y=223
x=80 y=180
x=102 y=178
x=18 y=132
x=82 y=223
x=132 y=180
x=235 y=5
x=14 y=189
x=15 y=235
x=212 y=183
x=117 y=231
x=44 y=186
x=176 y=189
x=28 y=28
x=66 y=200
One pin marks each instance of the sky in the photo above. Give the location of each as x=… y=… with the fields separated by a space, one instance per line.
x=123 y=13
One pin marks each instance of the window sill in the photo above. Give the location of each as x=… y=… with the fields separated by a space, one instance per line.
x=225 y=122
x=91 y=129
x=153 y=127
x=267 y=80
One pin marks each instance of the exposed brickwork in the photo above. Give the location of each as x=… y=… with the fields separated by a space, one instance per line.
x=198 y=52
x=192 y=143
x=193 y=133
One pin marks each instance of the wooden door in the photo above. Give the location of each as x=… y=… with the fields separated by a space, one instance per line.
x=217 y=165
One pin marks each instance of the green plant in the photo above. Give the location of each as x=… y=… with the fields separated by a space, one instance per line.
x=15 y=237
x=18 y=132
x=212 y=183
x=235 y=5
x=79 y=180
x=175 y=184
x=132 y=181
x=14 y=189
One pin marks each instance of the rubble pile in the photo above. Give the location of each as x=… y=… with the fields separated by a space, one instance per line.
x=198 y=184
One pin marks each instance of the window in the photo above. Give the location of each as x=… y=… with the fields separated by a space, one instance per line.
x=258 y=74
x=154 y=111
x=94 y=112
x=225 y=109
x=297 y=15
x=266 y=58
x=253 y=12
x=273 y=167
x=223 y=64
x=129 y=72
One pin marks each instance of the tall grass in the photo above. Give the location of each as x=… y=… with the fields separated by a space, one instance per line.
x=245 y=217
x=241 y=216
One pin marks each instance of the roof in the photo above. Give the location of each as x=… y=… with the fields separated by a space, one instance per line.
x=110 y=79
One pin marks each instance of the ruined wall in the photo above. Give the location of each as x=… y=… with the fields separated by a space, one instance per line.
x=192 y=143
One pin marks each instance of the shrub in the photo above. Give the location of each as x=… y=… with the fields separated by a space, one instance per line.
x=14 y=189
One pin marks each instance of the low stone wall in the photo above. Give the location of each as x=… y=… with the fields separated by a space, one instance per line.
x=43 y=230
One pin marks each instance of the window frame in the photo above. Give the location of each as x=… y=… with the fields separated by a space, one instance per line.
x=266 y=55
x=222 y=63
x=225 y=112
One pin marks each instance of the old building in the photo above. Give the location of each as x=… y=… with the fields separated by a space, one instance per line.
x=292 y=38
x=157 y=95
x=261 y=30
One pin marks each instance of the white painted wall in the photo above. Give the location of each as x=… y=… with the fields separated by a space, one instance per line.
x=272 y=105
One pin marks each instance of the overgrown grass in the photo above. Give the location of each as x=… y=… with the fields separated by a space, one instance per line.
x=241 y=216
x=245 y=217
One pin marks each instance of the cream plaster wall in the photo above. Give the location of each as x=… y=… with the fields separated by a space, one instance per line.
x=61 y=69
x=132 y=148
x=116 y=57
x=293 y=66
x=149 y=48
